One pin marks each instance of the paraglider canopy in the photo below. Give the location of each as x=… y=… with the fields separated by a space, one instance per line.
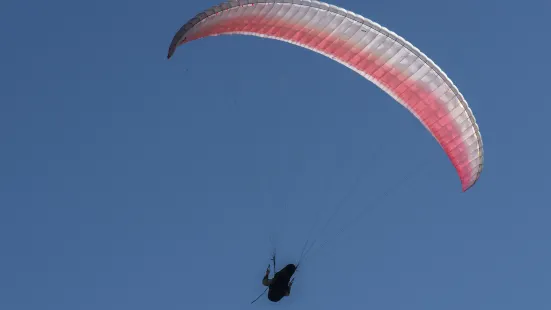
x=376 y=53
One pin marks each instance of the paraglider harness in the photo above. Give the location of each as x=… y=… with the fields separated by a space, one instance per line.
x=276 y=276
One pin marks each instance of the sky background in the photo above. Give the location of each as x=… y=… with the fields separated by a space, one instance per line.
x=131 y=182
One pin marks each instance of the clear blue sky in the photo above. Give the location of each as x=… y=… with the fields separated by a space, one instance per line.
x=131 y=182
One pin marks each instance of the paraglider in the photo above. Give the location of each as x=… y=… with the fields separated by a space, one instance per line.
x=280 y=285
x=376 y=53
x=371 y=50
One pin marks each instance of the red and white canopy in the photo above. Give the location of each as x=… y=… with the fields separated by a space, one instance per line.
x=378 y=54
